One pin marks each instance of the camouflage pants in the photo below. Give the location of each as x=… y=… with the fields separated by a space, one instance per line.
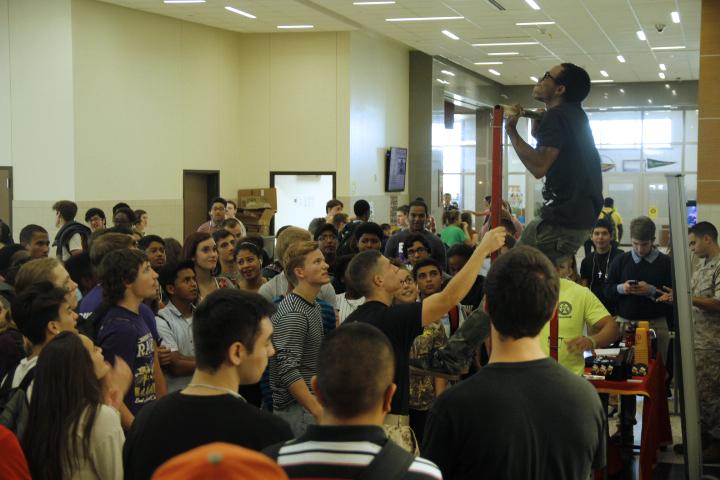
x=707 y=371
x=556 y=242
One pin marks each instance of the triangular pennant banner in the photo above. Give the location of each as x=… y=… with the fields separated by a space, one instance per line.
x=652 y=163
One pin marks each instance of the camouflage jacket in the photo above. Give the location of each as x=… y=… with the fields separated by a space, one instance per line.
x=706 y=283
x=422 y=387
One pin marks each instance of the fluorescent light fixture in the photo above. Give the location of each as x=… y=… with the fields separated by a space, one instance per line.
x=498 y=54
x=673 y=47
x=493 y=71
x=526 y=24
x=488 y=63
x=421 y=19
x=675 y=17
x=641 y=35
x=674 y=92
x=449 y=34
x=662 y=67
x=661 y=75
x=622 y=90
x=532 y=4
x=183 y=1
x=534 y=79
x=292 y=27
x=503 y=44
x=447 y=72
x=601 y=81
x=240 y=12
x=604 y=73
x=621 y=59
x=444 y=82
x=384 y=2
x=667 y=86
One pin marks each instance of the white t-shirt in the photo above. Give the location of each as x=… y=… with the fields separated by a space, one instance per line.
x=106 y=444
x=22 y=369
x=75 y=243
x=346 y=306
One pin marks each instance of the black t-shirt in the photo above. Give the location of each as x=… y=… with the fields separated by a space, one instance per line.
x=573 y=186
x=595 y=268
x=401 y=324
x=178 y=423
x=526 y=420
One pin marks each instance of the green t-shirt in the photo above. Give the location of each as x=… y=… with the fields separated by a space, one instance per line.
x=452 y=234
x=578 y=306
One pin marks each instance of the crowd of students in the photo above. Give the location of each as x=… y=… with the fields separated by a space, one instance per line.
x=122 y=350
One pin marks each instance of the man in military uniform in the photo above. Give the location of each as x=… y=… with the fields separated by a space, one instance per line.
x=703 y=240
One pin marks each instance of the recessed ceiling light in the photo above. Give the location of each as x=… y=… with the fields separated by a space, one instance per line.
x=675 y=17
x=503 y=44
x=444 y=82
x=449 y=34
x=601 y=81
x=383 y=2
x=525 y=24
x=497 y=54
x=621 y=59
x=488 y=63
x=447 y=72
x=604 y=73
x=673 y=47
x=674 y=92
x=421 y=19
x=240 y=12
x=493 y=71
x=290 y=27
x=183 y=1
x=661 y=75
x=641 y=35
x=534 y=79
x=662 y=67
x=649 y=100
x=667 y=85
x=532 y=4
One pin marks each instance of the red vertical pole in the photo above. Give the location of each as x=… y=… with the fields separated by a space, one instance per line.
x=497 y=168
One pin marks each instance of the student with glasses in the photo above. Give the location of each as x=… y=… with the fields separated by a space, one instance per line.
x=566 y=157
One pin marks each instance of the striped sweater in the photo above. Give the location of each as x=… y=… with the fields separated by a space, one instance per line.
x=297 y=334
x=340 y=452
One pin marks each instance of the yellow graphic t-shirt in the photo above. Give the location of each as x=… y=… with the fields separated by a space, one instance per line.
x=578 y=307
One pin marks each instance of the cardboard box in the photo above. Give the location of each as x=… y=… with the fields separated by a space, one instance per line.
x=257 y=198
x=256 y=220
x=256 y=208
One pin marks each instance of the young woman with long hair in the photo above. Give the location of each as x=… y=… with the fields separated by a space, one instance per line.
x=71 y=433
x=202 y=250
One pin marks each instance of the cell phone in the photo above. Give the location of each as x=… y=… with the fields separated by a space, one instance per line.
x=634 y=283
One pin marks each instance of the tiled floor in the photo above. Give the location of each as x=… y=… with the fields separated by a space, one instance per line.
x=670 y=465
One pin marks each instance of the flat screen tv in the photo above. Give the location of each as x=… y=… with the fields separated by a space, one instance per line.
x=395 y=169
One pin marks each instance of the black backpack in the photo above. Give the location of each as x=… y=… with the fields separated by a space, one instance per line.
x=14 y=403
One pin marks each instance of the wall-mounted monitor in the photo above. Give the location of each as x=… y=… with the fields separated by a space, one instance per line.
x=395 y=169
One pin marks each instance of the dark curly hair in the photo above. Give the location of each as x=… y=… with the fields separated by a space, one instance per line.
x=119 y=268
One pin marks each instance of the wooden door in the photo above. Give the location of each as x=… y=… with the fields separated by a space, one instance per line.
x=195 y=193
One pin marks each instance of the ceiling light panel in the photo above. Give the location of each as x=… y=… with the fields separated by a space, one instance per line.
x=450 y=34
x=675 y=17
x=499 y=54
x=529 y=24
x=421 y=19
x=240 y=12
x=533 y=4
x=504 y=44
x=641 y=35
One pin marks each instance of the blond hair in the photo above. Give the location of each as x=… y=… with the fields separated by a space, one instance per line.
x=35 y=271
x=295 y=257
x=286 y=238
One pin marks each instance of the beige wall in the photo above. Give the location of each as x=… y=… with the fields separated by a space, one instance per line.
x=122 y=101
x=379 y=117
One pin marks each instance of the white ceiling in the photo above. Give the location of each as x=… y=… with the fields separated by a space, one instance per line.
x=590 y=33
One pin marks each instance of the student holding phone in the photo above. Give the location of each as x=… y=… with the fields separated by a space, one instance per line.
x=634 y=282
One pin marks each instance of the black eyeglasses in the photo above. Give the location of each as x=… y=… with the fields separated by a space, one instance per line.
x=547 y=75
